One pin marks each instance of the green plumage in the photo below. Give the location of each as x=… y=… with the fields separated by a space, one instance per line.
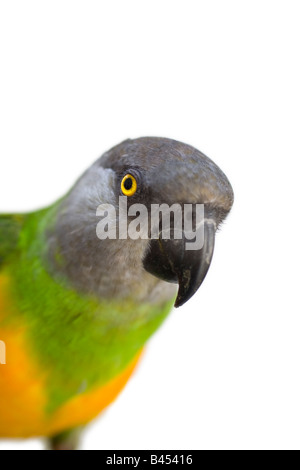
x=10 y=226
x=78 y=340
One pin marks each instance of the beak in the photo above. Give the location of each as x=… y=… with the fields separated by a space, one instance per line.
x=173 y=260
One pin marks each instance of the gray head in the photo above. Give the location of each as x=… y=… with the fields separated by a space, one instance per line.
x=148 y=171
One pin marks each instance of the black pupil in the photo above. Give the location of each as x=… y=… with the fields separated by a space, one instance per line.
x=128 y=184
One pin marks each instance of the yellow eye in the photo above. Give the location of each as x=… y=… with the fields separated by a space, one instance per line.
x=128 y=185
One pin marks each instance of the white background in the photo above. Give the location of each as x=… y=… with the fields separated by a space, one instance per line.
x=78 y=77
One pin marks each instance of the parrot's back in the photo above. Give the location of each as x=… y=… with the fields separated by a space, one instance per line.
x=10 y=226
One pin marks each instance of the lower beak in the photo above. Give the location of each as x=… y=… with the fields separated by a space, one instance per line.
x=173 y=260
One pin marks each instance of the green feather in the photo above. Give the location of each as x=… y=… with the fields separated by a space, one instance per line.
x=10 y=226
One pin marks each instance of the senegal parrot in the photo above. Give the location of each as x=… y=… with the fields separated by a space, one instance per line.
x=77 y=305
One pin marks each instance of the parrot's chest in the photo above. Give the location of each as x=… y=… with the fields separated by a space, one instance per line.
x=24 y=394
x=62 y=351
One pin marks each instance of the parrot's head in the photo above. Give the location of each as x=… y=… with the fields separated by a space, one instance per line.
x=143 y=177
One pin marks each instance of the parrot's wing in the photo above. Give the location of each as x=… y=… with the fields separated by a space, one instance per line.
x=10 y=227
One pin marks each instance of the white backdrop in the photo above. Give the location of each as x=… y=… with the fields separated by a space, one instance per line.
x=78 y=77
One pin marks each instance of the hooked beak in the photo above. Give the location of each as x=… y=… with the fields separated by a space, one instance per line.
x=171 y=261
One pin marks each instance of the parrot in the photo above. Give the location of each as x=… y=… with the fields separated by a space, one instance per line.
x=77 y=309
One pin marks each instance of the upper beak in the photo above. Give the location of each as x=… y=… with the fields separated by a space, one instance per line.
x=172 y=261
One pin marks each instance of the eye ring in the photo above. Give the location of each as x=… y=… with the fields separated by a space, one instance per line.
x=128 y=185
